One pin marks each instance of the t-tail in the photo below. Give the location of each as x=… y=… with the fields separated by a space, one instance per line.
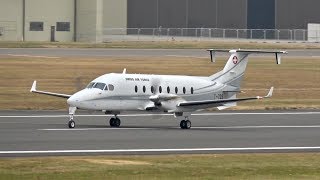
x=233 y=71
x=232 y=74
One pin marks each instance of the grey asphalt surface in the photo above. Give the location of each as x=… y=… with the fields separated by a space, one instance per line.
x=92 y=52
x=47 y=130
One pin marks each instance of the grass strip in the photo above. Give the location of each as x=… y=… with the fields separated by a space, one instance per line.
x=214 y=166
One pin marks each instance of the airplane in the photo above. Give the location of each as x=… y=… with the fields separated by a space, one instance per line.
x=176 y=94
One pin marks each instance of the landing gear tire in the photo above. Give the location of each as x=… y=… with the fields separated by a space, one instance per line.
x=111 y=122
x=182 y=124
x=71 y=124
x=185 y=124
x=115 y=122
x=188 y=124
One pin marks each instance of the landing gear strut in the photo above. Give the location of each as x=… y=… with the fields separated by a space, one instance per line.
x=185 y=124
x=115 y=121
x=71 y=123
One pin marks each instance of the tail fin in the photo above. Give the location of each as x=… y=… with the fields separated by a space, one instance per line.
x=233 y=71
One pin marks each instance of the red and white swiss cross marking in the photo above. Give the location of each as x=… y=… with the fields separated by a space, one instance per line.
x=235 y=59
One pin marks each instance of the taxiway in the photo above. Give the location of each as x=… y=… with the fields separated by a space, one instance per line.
x=95 y=52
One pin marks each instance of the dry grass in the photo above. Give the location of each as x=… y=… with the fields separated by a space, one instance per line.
x=215 y=166
x=296 y=81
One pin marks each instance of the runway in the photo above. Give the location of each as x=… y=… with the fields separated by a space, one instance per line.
x=42 y=133
x=95 y=52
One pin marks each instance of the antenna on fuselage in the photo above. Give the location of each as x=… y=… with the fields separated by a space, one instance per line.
x=124 y=71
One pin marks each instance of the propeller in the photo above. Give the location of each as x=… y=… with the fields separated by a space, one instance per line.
x=155 y=85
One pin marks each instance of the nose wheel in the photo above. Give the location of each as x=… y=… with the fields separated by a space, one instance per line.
x=115 y=122
x=71 y=124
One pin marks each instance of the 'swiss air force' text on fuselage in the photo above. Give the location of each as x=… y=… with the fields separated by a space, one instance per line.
x=180 y=95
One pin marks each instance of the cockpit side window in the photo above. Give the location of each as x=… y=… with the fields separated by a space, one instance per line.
x=106 y=88
x=99 y=86
x=111 y=87
x=90 y=85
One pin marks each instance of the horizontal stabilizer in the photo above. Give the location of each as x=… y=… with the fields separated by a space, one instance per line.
x=277 y=53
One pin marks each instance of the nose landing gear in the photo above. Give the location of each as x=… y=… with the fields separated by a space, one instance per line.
x=71 y=123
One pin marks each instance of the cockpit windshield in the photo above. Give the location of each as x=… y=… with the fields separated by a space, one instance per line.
x=90 y=85
x=99 y=86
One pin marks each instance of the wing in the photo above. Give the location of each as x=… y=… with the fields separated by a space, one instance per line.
x=34 y=90
x=220 y=102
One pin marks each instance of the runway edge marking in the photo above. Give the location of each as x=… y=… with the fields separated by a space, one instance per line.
x=203 y=127
x=159 y=150
x=140 y=115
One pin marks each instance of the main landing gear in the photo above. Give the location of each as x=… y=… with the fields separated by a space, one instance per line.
x=185 y=124
x=115 y=121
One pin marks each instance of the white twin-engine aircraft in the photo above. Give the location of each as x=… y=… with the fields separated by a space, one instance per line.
x=179 y=95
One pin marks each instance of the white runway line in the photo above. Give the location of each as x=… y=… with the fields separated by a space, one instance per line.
x=160 y=150
x=94 y=129
x=267 y=113
x=283 y=89
x=142 y=115
x=86 y=115
x=33 y=56
x=204 y=127
x=256 y=127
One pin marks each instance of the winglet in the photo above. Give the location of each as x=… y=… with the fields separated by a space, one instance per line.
x=34 y=86
x=269 y=93
x=278 y=57
x=213 y=56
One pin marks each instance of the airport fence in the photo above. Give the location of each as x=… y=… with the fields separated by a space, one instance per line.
x=204 y=34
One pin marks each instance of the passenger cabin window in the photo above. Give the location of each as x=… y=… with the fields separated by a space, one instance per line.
x=168 y=89
x=184 y=90
x=136 y=89
x=111 y=87
x=152 y=89
x=144 y=89
x=90 y=85
x=191 y=90
x=160 y=89
x=176 y=90
x=99 y=86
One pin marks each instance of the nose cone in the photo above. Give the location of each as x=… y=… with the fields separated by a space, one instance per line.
x=73 y=100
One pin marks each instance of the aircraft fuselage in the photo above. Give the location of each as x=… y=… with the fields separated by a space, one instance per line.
x=133 y=91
